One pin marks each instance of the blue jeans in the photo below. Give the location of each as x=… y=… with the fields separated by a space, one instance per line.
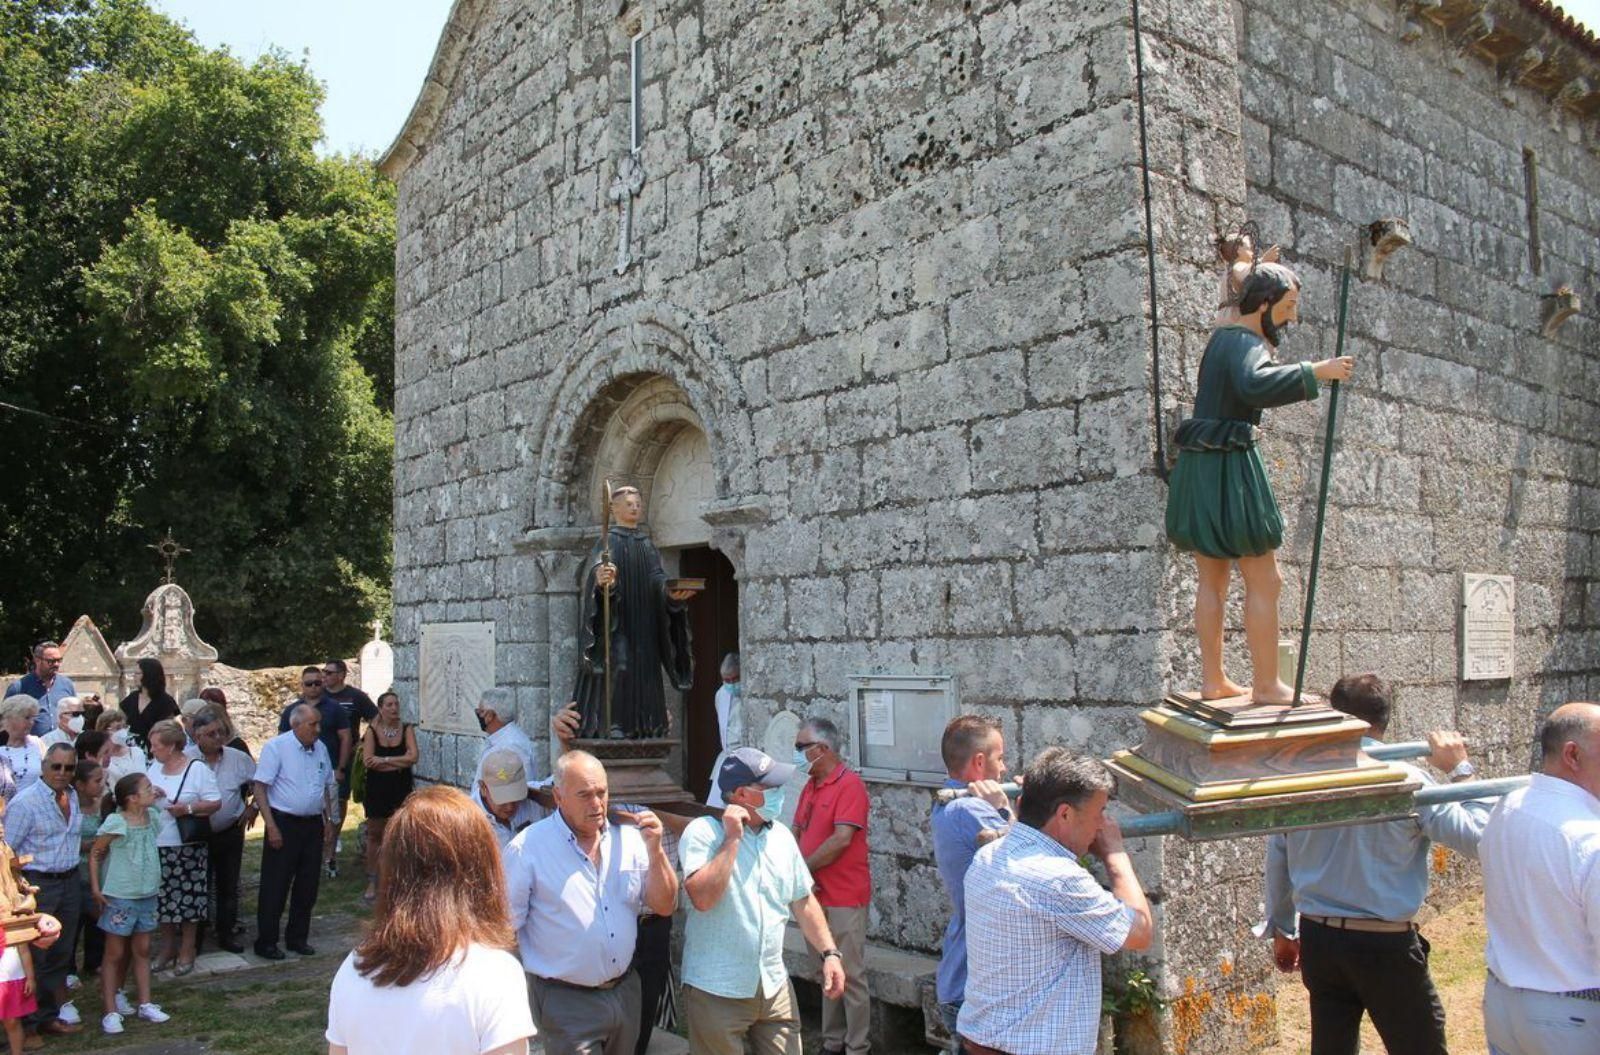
x=950 y=1012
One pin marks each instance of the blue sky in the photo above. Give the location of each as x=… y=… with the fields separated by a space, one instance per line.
x=372 y=54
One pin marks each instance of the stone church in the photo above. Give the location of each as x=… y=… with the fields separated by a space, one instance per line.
x=890 y=308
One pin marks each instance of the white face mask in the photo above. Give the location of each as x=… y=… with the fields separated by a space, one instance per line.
x=75 y=724
x=120 y=738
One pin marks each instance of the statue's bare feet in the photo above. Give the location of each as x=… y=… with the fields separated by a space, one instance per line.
x=1274 y=692
x=1222 y=691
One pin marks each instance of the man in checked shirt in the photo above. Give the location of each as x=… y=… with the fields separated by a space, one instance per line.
x=1037 y=922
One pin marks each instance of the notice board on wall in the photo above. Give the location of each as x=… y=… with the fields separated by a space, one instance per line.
x=896 y=723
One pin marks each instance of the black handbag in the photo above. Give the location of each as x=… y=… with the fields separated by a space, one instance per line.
x=191 y=829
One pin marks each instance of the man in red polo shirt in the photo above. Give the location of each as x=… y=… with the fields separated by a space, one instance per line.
x=830 y=822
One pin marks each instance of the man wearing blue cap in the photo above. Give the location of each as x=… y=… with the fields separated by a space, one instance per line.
x=744 y=878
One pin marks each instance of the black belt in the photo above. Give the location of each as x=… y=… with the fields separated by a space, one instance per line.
x=1575 y=994
x=286 y=815
x=564 y=984
x=50 y=875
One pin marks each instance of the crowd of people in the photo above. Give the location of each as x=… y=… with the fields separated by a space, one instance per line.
x=531 y=907
x=133 y=818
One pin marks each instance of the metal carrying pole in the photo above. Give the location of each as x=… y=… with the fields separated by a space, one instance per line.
x=1322 y=494
x=1171 y=822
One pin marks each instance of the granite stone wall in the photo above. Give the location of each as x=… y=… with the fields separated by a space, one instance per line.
x=892 y=257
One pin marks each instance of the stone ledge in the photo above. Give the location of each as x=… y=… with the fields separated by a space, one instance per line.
x=893 y=975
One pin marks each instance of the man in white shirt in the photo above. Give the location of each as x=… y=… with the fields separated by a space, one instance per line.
x=1541 y=897
x=295 y=791
x=577 y=885
x=497 y=714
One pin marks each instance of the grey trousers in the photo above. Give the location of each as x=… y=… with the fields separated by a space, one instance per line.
x=59 y=896
x=574 y=1021
x=1528 y=1022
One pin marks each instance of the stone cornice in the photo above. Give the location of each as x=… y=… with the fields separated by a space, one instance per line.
x=447 y=55
x=1533 y=45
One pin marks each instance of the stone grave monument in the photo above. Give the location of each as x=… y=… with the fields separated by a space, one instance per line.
x=168 y=634
x=89 y=662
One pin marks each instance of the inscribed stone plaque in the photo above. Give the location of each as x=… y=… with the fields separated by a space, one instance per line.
x=455 y=666
x=1488 y=626
x=377 y=664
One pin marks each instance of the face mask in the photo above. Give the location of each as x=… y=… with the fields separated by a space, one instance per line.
x=75 y=724
x=733 y=689
x=802 y=764
x=772 y=808
x=120 y=738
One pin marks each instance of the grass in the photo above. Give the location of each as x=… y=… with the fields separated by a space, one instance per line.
x=1458 y=972
x=277 y=1009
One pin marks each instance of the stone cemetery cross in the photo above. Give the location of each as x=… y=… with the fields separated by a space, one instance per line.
x=630 y=170
x=169 y=551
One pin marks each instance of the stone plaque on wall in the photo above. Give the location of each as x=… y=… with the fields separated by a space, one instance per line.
x=455 y=665
x=1488 y=626
x=377 y=664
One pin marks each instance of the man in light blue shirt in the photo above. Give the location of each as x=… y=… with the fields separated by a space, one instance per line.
x=974 y=752
x=1357 y=890
x=577 y=885
x=296 y=792
x=744 y=878
x=44 y=821
x=44 y=684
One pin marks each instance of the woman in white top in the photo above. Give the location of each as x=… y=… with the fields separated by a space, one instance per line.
x=23 y=753
x=125 y=754
x=184 y=788
x=436 y=974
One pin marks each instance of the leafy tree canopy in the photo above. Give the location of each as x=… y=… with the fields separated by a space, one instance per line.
x=195 y=333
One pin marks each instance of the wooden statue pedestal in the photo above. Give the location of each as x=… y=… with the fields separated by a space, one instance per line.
x=1235 y=767
x=22 y=929
x=636 y=771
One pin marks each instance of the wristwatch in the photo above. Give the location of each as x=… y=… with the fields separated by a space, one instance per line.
x=1464 y=769
x=1005 y=813
x=833 y=952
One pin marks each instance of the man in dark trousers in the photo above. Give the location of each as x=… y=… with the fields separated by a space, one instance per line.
x=358 y=707
x=336 y=736
x=295 y=792
x=1342 y=902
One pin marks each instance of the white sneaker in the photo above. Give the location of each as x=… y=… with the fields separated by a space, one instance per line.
x=153 y=1013
x=69 y=1014
x=124 y=1005
x=112 y=1023
x=72 y=981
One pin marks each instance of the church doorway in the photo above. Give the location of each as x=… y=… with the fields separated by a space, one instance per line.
x=714 y=632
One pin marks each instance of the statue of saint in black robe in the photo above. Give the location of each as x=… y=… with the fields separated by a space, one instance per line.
x=649 y=635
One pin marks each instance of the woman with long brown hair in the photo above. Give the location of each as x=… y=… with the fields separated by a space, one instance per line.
x=435 y=975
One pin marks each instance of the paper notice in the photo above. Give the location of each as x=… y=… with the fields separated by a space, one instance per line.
x=879 y=708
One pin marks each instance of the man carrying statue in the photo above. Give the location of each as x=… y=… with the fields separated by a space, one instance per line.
x=649 y=630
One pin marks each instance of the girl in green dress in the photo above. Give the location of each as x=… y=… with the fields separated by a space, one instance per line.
x=1220 y=506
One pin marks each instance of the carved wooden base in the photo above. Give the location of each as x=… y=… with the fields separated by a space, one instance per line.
x=636 y=772
x=1236 y=767
x=20 y=930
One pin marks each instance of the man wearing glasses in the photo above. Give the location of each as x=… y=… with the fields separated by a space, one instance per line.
x=830 y=821
x=358 y=707
x=44 y=821
x=44 y=683
x=335 y=736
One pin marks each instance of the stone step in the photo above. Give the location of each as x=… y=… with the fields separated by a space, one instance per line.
x=894 y=976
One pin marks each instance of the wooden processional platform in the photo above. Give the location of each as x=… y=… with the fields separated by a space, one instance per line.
x=1234 y=767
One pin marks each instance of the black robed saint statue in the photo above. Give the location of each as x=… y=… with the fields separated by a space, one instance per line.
x=649 y=631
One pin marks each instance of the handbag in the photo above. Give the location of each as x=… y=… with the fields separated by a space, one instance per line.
x=191 y=829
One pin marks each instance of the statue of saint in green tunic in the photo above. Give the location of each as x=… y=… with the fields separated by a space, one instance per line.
x=1220 y=505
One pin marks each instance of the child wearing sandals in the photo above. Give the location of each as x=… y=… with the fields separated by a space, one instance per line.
x=124 y=877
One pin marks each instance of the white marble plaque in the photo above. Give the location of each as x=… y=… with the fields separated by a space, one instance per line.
x=1488 y=626
x=455 y=665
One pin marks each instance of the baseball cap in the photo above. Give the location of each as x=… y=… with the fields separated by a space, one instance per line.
x=503 y=774
x=748 y=766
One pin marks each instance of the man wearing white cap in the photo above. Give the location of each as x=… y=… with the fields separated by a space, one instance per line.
x=744 y=878
x=503 y=792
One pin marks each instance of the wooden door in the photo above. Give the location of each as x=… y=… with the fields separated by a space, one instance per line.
x=714 y=632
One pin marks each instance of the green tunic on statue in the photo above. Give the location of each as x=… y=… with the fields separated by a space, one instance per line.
x=1219 y=502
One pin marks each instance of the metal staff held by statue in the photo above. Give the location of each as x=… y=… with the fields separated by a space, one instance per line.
x=605 y=608
x=1322 y=493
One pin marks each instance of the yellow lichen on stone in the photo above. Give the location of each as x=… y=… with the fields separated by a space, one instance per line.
x=1188 y=1015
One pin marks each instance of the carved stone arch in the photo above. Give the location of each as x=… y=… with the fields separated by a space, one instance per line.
x=651 y=369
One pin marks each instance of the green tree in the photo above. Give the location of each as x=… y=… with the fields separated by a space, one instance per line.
x=196 y=333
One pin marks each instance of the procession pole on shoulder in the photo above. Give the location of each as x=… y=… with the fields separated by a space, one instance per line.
x=605 y=610
x=1322 y=493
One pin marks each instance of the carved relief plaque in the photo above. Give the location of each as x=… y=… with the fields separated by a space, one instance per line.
x=455 y=665
x=1488 y=626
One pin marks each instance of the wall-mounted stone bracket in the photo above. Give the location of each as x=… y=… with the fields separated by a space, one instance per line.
x=1383 y=238
x=1557 y=308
